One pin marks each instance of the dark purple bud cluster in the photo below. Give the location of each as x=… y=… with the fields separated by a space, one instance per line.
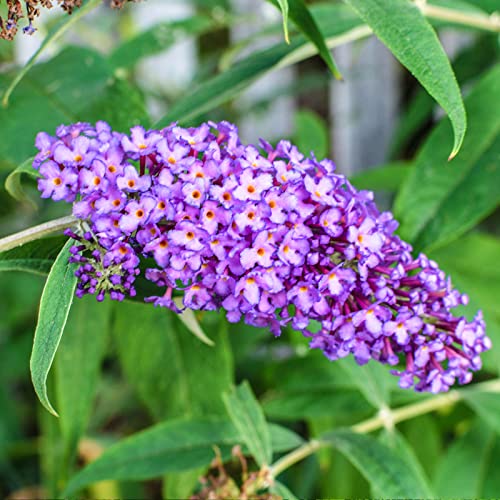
x=263 y=233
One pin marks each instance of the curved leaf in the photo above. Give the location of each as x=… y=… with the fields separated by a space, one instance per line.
x=13 y=181
x=386 y=471
x=434 y=202
x=283 y=5
x=408 y=35
x=172 y=446
x=54 y=34
x=188 y=317
x=55 y=303
x=248 y=417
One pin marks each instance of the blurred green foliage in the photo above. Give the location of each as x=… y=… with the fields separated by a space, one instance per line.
x=141 y=400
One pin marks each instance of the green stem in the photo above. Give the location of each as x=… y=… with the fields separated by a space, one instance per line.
x=381 y=420
x=36 y=232
x=481 y=21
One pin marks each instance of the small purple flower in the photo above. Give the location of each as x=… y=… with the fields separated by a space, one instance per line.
x=189 y=236
x=261 y=253
x=251 y=186
x=140 y=142
x=137 y=214
x=132 y=182
x=56 y=183
x=76 y=155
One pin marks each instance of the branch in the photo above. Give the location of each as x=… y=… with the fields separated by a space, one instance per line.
x=481 y=21
x=377 y=422
x=36 y=232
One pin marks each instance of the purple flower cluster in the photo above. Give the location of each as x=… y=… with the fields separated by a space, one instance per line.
x=265 y=234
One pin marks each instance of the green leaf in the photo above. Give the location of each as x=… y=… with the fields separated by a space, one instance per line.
x=188 y=317
x=160 y=37
x=398 y=443
x=347 y=406
x=308 y=388
x=337 y=24
x=248 y=417
x=54 y=34
x=152 y=341
x=35 y=257
x=468 y=65
x=77 y=366
x=435 y=203
x=13 y=182
x=387 y=177
x=400 y=25
x=386 y=470
x=55 y=303
x=302 y=18
x=283 y=5
x=283 y=439
x=172 y=446
x=372 y=380
x=461 y=471
x=311 y=134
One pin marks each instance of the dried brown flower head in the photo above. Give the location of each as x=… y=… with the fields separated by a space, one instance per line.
x=219 y=485
x=30 y=9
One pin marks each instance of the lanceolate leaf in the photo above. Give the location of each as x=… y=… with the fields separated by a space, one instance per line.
x=55 y=303
x=172 y=446
x=386 y=470
x=398 y=443
x=405 y=31
x=283 y=5
x=188 y=317
x=468 y=65
x=433 y=202
x=248 y=417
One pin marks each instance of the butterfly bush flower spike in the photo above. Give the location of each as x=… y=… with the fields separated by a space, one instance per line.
x=271 y=237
